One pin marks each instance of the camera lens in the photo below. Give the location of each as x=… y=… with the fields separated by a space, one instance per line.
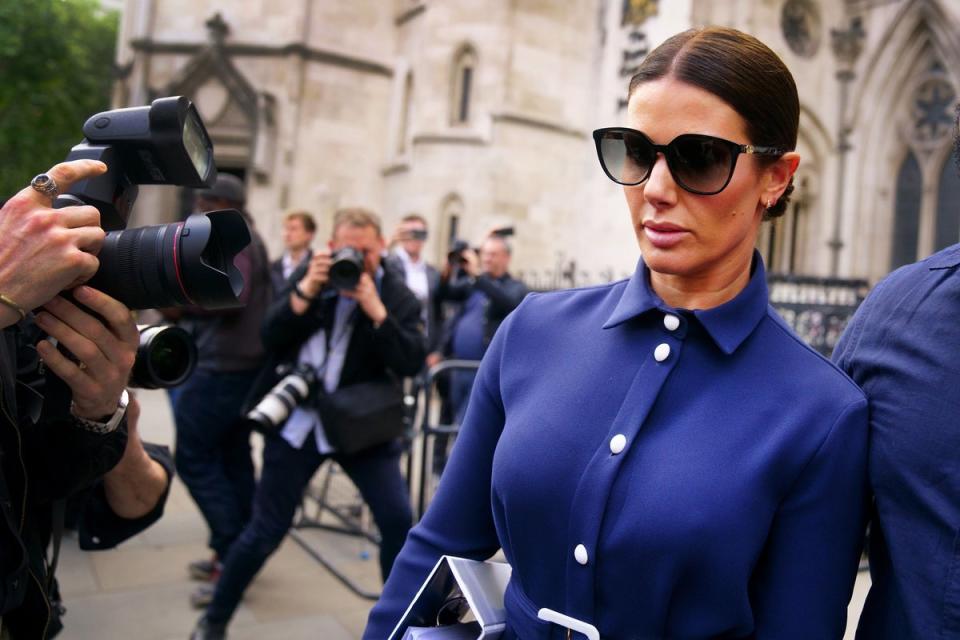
x=346 y=269
x=177 y=264
x=165 y=358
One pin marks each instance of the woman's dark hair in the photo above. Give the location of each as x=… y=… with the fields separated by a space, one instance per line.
x=741 y=71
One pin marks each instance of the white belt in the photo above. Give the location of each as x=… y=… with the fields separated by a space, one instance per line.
x=571 y=624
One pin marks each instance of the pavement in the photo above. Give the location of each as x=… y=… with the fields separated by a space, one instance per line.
x=141 y=589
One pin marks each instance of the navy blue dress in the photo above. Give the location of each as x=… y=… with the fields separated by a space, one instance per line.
x=654 y=472
x=903 y=347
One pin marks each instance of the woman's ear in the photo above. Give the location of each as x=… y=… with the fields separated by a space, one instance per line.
x=777 y=176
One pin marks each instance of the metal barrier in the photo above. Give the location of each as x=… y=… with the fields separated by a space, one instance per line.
x=429 y=430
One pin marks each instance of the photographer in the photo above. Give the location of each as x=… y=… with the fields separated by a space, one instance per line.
x=213 y=446
x=63 y=420
x=350 y=334
x=488 y=294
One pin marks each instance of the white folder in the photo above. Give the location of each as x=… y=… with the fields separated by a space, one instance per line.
x=481 y=584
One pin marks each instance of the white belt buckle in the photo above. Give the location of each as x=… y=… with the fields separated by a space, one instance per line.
x=572 y=624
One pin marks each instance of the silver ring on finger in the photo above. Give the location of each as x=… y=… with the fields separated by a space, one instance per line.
x=45 y=184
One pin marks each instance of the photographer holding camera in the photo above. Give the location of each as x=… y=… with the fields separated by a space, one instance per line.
x=62 y=419
x=350 y=325
x=488 y=294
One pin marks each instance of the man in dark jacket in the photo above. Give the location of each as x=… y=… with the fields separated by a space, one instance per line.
x=348 y=336
x=62 y=421
x=488 y=293
x=421 y=277
x=213 y=446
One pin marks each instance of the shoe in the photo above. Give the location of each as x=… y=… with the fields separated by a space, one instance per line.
x=206 y=570
x=202 y=596
x=208 y=631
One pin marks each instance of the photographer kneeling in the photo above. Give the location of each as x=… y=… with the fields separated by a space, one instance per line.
x=354 y=328
x=62 y=420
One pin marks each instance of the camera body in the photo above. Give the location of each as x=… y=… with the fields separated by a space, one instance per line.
x=345 y=269
x=178 y=264
x=455 y=255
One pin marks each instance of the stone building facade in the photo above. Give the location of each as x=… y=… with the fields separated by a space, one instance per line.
x=475 y=114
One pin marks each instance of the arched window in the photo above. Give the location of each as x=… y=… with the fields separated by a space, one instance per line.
x=948 y=206
x=404 y=130
x=906 y=222
x=464 y=66
x=451 y=215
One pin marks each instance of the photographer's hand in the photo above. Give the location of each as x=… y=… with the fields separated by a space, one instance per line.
x=44 y=250
x=312 y=281
x=369 y=300
x=471 y=263
x=105 y=349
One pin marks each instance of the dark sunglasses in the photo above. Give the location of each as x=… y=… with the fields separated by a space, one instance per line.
x=700 y=164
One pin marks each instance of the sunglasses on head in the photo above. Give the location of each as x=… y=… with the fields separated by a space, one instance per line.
x=700 y=164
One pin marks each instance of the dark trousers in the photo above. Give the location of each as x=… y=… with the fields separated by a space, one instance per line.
x=213 y=451
x=285 y=474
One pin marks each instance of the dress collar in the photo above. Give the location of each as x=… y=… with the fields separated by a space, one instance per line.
x=728 y=325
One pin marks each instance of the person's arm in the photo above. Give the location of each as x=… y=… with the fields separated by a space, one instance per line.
x=398 y=329
x=805 y=575
x=68 y=449
x=459 y=521
x=291 y=318
x=138 y=482
x=131 y=496
x=504 y=295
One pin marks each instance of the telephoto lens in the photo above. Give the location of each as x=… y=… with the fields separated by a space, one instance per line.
x=346 y=269
x=273 y=410
x=176 y=264
x=166 y=357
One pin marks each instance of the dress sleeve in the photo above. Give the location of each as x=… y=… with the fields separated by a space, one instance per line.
x=804 y=578
x=459 y=521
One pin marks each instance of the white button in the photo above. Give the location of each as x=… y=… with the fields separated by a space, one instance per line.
x=617 y=443
x=95 y=539
x=671 y=322
x=580 y=553
x=662 y=352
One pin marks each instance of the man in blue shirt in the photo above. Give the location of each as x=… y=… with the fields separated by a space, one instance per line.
x=902 y=348
x=489 y=293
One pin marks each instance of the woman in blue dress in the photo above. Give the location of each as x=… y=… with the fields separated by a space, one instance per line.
x=663 y=457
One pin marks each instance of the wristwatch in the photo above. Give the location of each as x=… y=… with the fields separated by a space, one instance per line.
x=111 y=423
x=297 y=291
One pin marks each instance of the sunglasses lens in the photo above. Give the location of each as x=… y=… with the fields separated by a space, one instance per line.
x=627 y=157
x=701 y=164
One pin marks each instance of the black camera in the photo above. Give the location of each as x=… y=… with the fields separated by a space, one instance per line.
x=275 y=407
x=177 y=264
x=346 y=269
x=166 y=357
x=418 y=234
x=455 y=256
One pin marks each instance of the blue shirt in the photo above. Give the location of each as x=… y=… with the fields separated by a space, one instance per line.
x=903 y=348
x=653 y=472
x=468 y=334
